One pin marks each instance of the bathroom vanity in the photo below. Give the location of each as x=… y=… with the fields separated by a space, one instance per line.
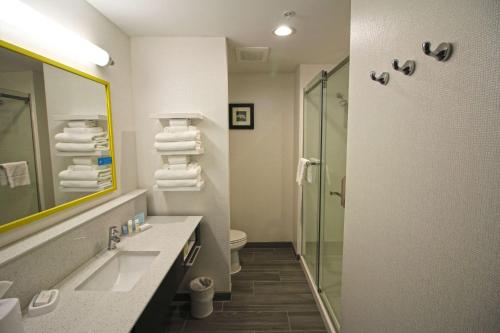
x=121 y=288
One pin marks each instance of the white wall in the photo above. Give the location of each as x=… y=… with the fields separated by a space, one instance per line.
x=422 y=231
x=261 y=159
x=187 y=74
x=303 y=75
x=82 y=18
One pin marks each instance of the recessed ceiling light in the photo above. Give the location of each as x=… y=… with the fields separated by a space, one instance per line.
x=283 y=31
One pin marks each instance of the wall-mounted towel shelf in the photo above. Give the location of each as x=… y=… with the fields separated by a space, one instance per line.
x=179 y=189
x=69 y=117
x=98 y=153
x=181 y=152
x=177 y=115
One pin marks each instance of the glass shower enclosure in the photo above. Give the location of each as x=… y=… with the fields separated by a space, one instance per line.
x=323 y=194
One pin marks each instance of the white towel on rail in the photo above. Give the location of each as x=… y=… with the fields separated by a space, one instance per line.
x=176 y=146
x=85 y=175
x=81 y=137
x=85 y=183
x=178 y=182
x=190 y=135
x=182 y=159
x=16 y=173
x=78 y=167
x=179 y=122
x=83 y=160
x=176 y=129
x=192 y=171
x=83 y=130
x=80 y=147
x=175 y=166
x=302 y=171
x=82 y=123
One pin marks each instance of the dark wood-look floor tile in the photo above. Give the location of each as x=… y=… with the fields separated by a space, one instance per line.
x=292 y=276
x=240 y=321
x=287 y=287
x=295 y=303
x=256 y=250
x=276 y=265
x=246 y=257
x=256 y=276
x=239 y=287
x=308 y=321
x=175 y=318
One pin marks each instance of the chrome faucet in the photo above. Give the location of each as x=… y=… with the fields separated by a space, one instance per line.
x=113 y=238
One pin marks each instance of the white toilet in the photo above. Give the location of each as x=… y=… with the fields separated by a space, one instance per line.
x=237 y=240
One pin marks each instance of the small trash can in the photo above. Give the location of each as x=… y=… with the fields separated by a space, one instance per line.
x=202 y=294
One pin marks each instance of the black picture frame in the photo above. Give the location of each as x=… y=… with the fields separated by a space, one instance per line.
x=247 y=107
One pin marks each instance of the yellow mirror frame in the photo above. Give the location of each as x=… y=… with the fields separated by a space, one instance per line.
x=73 y=203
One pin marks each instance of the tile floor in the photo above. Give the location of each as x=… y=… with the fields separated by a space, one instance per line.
x=270 y=294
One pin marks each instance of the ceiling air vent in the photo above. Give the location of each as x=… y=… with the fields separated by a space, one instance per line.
x=252 y=54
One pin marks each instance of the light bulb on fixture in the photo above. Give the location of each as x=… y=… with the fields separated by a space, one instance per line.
x=283 y=31
x=31 y=27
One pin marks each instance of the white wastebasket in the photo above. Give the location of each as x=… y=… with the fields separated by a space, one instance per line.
x=202 y=294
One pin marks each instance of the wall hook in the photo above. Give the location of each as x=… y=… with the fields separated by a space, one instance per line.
x=407 y=69
x=441 y=53
x=382 y=79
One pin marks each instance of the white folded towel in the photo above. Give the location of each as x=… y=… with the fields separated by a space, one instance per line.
x=78 y=167
x=80 y=147
x=178 y=160
x=176 y=129
x=178 y=182
x=179 y=122
x=179 y=145
x=83 y=160
x=98 y=184
x=302 y=170
x=85 y=175
x=193 y=171
x=81 y=137
x=82 y=123
x=192 y=135
x=83 y=130
x=175 y=166
x=15 y=174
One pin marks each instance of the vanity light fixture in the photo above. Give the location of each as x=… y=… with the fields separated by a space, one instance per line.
x=285 y=30
x=28 y=24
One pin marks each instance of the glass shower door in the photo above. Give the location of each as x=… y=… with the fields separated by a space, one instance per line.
x=323 y=197
x=334 y=146
x=313 y=104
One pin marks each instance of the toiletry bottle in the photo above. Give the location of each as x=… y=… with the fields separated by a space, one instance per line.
x=130 y=227
x=137 y=226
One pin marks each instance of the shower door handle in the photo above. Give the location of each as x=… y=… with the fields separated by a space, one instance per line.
x=341 y=194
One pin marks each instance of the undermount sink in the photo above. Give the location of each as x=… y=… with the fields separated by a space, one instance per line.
x=121 y=272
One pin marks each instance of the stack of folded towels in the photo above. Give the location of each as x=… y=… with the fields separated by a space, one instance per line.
x=82 y=136
x=178 y=136
x=84 y=174
x=178 y=173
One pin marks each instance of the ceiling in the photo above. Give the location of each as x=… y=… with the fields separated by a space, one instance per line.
x=322 y=26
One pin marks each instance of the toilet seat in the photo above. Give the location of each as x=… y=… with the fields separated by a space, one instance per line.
x=237 y=236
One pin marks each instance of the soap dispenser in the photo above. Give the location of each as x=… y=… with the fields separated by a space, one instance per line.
x=10 y=311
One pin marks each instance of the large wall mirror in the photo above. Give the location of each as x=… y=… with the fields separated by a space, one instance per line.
x=56 y=144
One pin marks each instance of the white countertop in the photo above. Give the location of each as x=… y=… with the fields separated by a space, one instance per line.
x=102 y=311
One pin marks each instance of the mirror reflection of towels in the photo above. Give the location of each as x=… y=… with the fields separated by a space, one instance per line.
x=15 y=174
